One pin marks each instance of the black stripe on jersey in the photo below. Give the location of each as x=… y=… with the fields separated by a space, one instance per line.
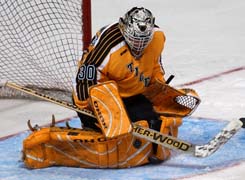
x=110 y=38
x=82 y=88
x=116 y=40
x=161 y=65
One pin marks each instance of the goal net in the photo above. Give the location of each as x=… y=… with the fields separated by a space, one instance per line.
x=41 y=42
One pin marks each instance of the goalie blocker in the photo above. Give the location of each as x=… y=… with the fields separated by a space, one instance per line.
x=109 y=109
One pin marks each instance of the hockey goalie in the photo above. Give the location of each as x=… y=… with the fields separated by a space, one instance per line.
x=121 y=80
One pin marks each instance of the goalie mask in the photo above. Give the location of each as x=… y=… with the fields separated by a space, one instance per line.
x=137 y=28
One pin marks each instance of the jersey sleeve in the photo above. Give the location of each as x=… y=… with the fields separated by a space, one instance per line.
x=158 y=72
x=98 y=50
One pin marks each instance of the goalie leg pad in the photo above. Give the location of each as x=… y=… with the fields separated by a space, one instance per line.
x=81 y=148
x=169 y=126
x=60 y=146
x=109 y=109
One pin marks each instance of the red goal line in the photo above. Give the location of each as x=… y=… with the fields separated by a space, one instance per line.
x=212 y=76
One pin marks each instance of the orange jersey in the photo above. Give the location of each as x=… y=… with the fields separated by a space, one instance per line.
x=109 y=58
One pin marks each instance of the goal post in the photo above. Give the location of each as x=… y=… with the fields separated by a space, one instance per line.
x=86 y=21
x=41 y=42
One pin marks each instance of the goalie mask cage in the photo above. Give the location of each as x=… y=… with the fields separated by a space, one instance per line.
x=41 y=42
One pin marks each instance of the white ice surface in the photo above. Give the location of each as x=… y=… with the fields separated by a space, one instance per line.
x=204 y=38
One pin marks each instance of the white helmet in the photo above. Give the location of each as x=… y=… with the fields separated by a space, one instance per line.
x=137 y=28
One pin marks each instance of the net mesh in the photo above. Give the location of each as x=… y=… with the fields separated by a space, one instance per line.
x=41 y=41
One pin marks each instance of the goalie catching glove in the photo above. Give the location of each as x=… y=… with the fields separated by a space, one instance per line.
x=170 y=101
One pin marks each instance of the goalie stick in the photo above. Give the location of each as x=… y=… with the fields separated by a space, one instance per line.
x=151 y=135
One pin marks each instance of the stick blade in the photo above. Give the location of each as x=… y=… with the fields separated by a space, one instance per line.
x=220 y=139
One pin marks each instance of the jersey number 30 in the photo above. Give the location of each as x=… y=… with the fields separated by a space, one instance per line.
x=87 y=72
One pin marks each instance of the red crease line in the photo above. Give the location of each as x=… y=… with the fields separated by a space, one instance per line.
x=212 y=76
